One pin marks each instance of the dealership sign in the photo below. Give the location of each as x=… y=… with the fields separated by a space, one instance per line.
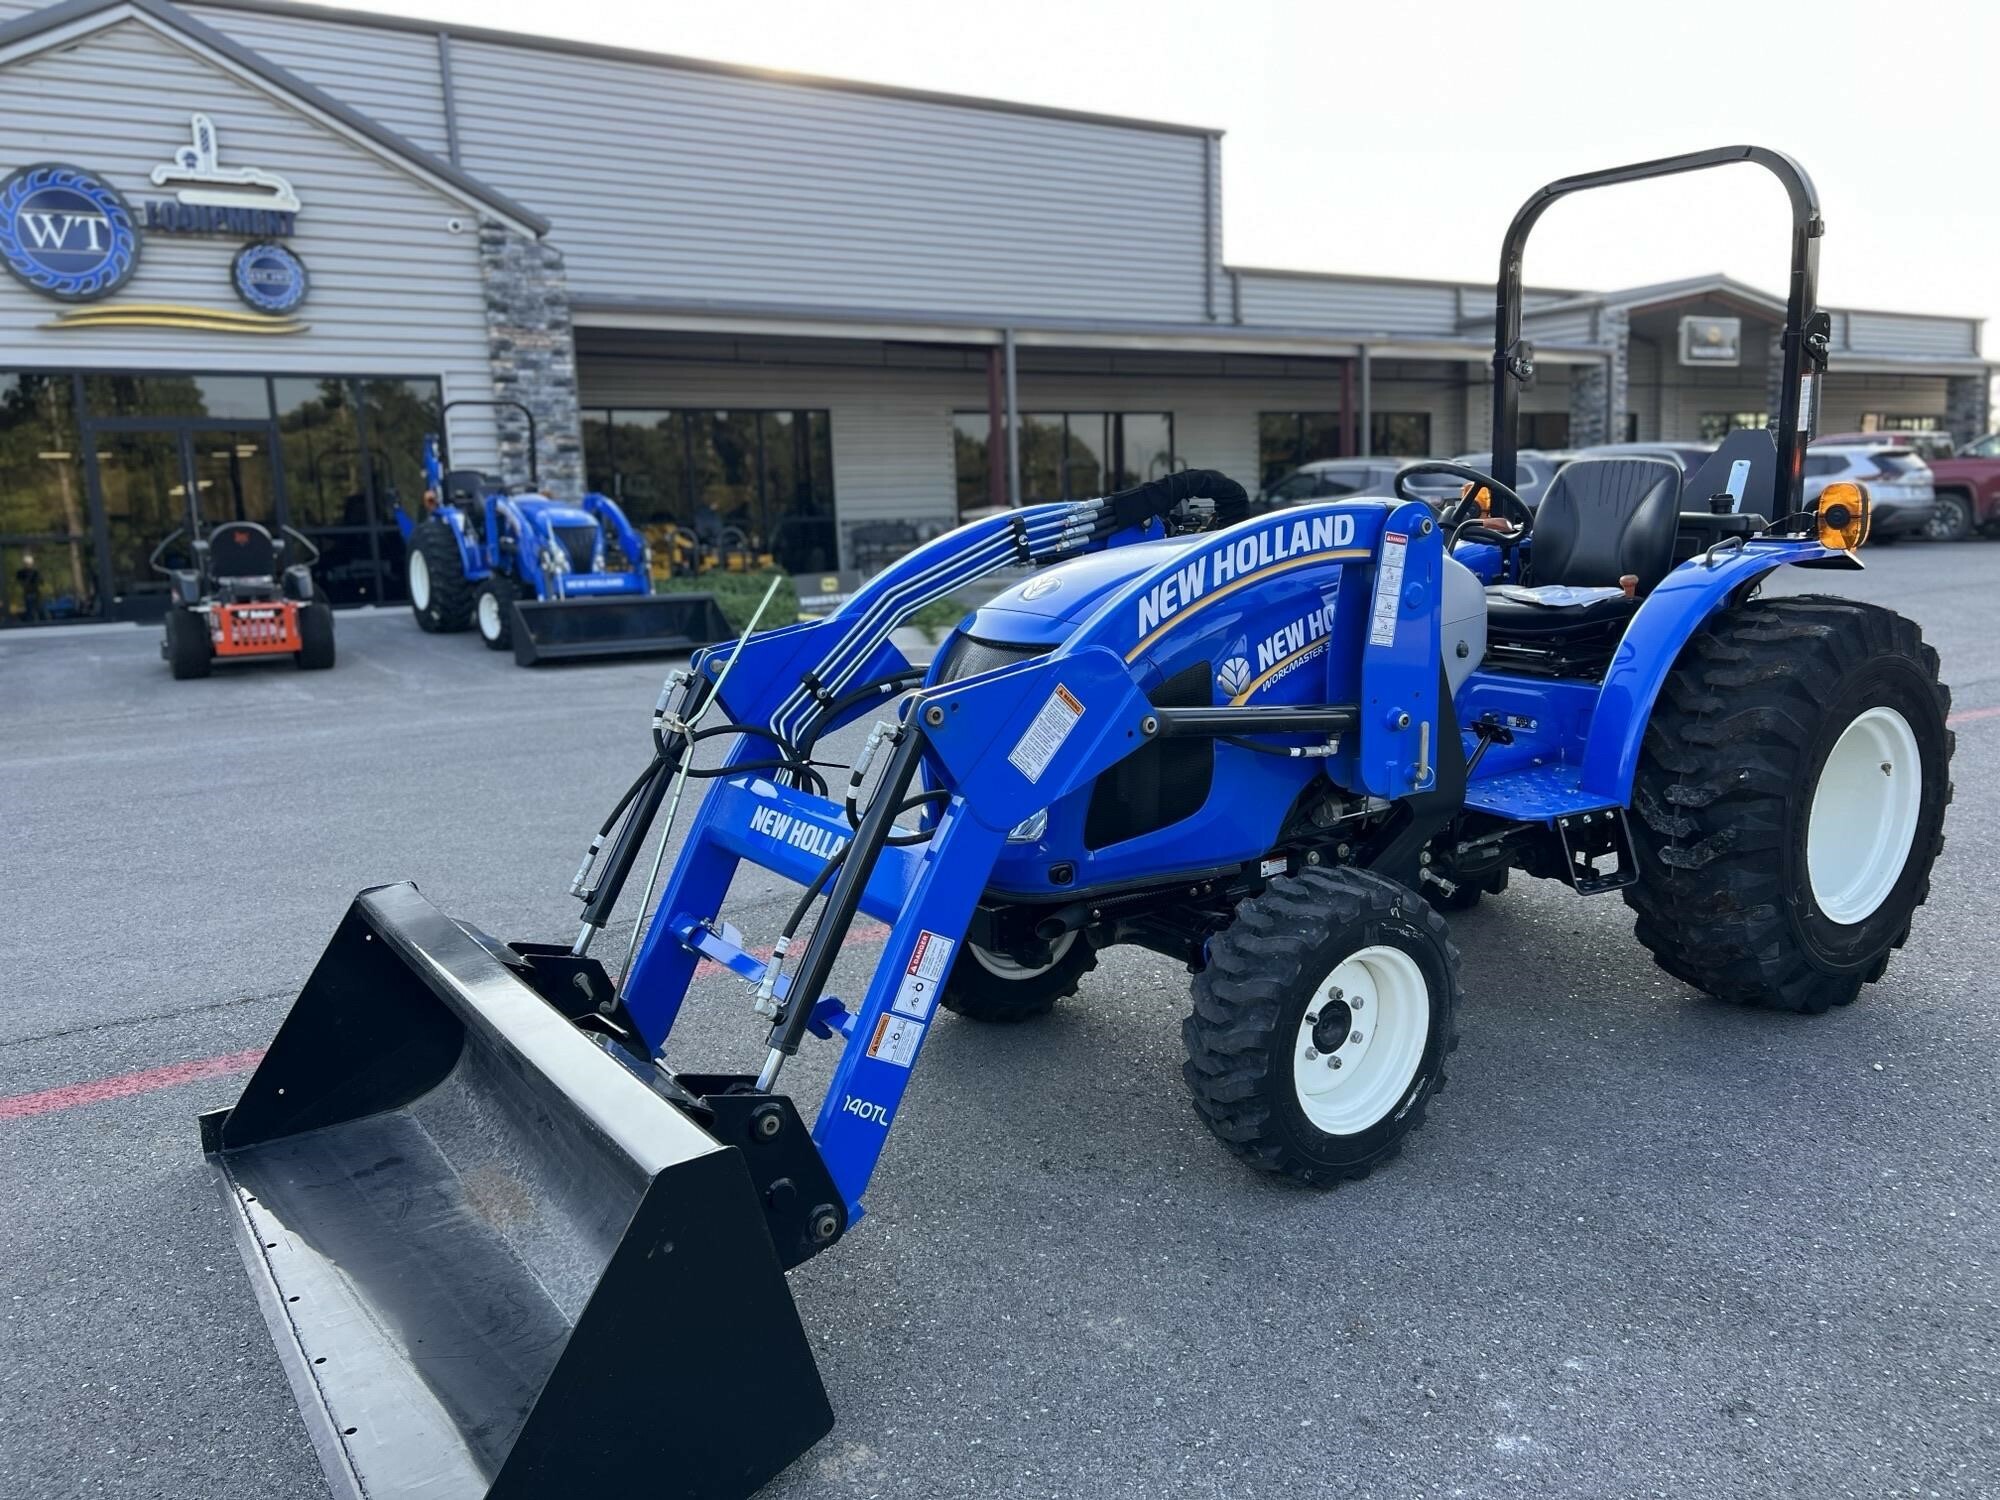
x=69 y=234
x=66 y=232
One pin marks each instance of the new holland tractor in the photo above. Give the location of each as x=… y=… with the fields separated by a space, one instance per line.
x=547 y=579
x=511 y=1242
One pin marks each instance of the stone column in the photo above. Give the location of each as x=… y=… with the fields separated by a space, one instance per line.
x=1968 y=410
x=532 y=345
x=1599 y=394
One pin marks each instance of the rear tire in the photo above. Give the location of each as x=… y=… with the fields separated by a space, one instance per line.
x=1778 y=865
x=440 y=594
x=1321 y=1024
x=987 y=986
x=493 y=614
x=190 y=653
x=1952 y=520
x=315 y=653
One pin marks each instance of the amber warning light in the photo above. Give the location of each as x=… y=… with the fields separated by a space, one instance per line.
x=1843 y=517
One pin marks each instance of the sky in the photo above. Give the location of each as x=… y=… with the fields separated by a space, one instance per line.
x=1398 y=138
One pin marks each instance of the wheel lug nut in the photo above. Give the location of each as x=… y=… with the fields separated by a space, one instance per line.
x=1333 y=1062
x=1311 y=1054
x=1312 y=1018
x=1354 y=1036
x=1356 y=1003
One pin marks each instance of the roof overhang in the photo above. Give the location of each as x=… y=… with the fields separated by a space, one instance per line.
x=774 y=321
x=75 y=21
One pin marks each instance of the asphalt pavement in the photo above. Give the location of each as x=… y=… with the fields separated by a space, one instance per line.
x=1645 y=1245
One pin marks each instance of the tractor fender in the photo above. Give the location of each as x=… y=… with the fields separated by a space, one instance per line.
x=1672 y=615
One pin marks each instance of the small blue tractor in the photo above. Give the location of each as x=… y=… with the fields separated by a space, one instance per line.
x=547 y=579
x=511 y=1242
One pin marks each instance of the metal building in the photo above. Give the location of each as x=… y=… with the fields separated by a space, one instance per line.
x=252 y=248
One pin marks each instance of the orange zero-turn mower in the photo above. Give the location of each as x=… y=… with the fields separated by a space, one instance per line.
x=241 y=601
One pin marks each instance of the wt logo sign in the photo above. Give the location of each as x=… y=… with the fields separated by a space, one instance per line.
x=66 y=232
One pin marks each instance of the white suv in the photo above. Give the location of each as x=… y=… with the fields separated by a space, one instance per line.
x=1899 y=484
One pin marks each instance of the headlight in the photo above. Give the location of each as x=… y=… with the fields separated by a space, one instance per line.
x=1030 y=828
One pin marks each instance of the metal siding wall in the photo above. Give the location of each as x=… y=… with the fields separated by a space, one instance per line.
x=1849 y=397
x=1884 y=333
x=392 y=291
x=686 y=185
x=1573 y=327
x=390 y=76
x=1337 y=303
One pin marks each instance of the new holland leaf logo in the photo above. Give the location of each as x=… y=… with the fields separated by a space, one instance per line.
x=1234 y=676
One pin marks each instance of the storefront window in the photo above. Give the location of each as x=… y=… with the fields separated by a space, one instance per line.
x=1717 y=425
x=970 y=434
x=746 y=484
x=48 y=569
x=1400 y=434
x=396 y=416
x=1145 y=447
x=238 y=396
x=326 y=484
x=1286 y=439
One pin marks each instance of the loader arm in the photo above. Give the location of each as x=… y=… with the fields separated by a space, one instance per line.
x=994 y=749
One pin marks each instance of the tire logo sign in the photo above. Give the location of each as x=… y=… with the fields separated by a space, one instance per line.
x=66 y=232
x=269 y=277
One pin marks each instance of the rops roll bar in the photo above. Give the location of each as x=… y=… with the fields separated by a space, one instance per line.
x=1807 y=329
x=534 y=448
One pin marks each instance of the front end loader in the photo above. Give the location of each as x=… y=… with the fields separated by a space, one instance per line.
x=509 y=1242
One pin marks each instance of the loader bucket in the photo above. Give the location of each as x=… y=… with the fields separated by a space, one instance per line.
x=615 y=625
x=495 y=1261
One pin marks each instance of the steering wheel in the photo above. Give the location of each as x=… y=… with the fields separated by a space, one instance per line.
x=1509 y=526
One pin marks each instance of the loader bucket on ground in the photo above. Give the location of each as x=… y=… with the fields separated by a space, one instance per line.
x=495 y=1262
x=615 y=625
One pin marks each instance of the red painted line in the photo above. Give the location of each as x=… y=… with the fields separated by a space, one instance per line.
x=1970 y=714
x=125 y=1085
x=152 y=1080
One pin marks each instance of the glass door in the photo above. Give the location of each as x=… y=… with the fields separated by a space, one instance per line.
x=232 y=476
x=144 y=479
x=146 y=473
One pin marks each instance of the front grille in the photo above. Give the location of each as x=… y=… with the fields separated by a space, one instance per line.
x=968 y=657
x=579 y=544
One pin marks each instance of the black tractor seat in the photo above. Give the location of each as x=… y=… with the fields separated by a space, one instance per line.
x=1603 y=519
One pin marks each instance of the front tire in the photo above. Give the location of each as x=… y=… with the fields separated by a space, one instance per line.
x=987 y=986
x=492 y=612
x=1790 y=797
x=440 y=595
x=1951 y=521
x=1321 y=1024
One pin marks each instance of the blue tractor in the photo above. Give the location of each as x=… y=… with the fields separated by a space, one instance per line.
x=548 y=579
x=479 y=1183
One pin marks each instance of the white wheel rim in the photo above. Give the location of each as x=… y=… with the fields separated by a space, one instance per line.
x=420 y=581
x=489 y=616
x=1382 y=995
x=1002 y=967
x=1864 y=816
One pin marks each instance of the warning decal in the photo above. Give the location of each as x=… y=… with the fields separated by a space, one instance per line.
x=896 y=1040
x=917 y=994
x=1046 y=733
x=1388 y=589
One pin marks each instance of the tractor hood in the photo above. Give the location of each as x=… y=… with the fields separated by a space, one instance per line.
x=1047 y=608
x=539 y=510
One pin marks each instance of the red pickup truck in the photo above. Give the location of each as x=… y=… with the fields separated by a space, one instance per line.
x=1967 y=482
x=1968 y=490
